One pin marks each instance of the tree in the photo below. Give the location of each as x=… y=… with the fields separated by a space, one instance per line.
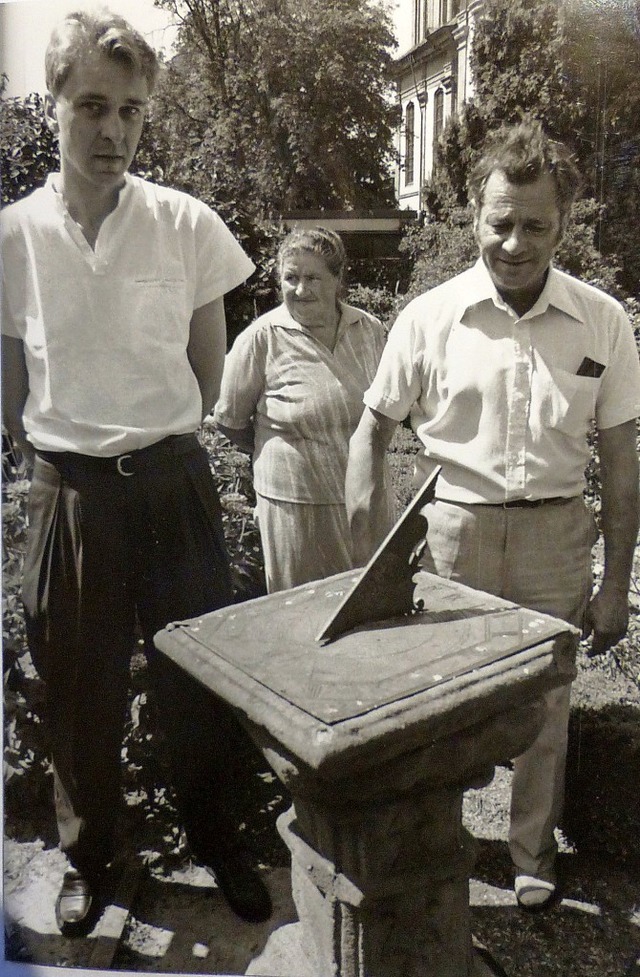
x=537 y=59
x=273 y=105
x=602 y=58
x=278 y=105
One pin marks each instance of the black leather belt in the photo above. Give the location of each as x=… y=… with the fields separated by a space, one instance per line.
x=529 y=503
x=127 y=463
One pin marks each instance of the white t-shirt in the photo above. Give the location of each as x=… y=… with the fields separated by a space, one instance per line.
x=500 y=401
x=105 y=330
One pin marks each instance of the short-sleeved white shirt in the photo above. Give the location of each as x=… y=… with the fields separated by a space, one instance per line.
x=303 y=400
x=105 y=330
x=496 y=399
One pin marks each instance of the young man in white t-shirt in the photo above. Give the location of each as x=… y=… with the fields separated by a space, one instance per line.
x=113 y=346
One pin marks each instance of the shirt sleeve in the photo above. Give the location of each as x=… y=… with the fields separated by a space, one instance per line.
x=619 y=394
x=397 y=384
x=221 y=262
x=243 y=380
x=11 y=269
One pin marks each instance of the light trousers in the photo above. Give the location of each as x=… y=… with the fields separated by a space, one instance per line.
x=539 y=558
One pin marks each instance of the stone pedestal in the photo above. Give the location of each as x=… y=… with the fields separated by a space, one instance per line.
x=377 y=736
x=381 y=861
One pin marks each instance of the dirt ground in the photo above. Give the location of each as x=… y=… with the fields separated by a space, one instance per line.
x=167 y=916
x=178 y=921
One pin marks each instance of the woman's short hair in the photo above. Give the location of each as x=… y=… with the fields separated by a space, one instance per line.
x=101 y=30
x=315 y=240
x=523 y=153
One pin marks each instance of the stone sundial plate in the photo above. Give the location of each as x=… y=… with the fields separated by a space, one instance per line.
x=271 y=642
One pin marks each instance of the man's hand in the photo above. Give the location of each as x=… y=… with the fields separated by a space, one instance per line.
x=607 y=619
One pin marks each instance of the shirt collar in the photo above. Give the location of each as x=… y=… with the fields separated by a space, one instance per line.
x=52 y=187
x=555 y=293
x=282 y=317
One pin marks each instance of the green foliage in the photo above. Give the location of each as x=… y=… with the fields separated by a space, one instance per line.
x=602 y=61
x=28 y=149
x=439 y=250
x=26 y=766
x=251 y=100
x=518 y=65
x=578 y=253
x=379 y=302
x=572 y=65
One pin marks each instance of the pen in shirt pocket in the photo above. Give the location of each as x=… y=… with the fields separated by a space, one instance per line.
x=590 y=368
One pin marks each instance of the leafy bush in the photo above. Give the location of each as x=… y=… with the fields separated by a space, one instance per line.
x=26 y=765
x=578 y=254
x=28 y=148
x=379 y=302
x=438 y=250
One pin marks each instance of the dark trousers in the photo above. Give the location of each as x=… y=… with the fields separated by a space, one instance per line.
x=110 y=540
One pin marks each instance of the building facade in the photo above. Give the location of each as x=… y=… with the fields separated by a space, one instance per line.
x=434 y=79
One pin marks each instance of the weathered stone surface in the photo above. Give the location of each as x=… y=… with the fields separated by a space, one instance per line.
x=377 y=691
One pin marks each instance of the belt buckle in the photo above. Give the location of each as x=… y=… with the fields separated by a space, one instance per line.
x=121 y=470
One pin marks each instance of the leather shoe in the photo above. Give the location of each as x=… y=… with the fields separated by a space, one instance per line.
x=77 y=909
x=243 y=888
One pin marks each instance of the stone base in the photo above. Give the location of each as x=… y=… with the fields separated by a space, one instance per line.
x=283 y=955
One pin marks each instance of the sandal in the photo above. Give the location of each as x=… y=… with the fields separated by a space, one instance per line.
x=533 y=894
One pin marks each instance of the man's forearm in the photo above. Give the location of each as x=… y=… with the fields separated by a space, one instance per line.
x=607 y=616
x=365 y=494
x=206 y=349
x=15 y=390
x=620 y=504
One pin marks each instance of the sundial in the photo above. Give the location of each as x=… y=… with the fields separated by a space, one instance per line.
x=386 y=586
x=321 y=665
x=377 y=696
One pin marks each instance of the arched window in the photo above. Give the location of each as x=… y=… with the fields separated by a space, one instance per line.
x=409 y=142
x=438 y=120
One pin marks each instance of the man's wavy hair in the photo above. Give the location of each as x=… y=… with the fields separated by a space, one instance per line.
x=83 y=32
x=523 y=153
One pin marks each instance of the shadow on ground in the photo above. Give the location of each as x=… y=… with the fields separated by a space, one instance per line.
x=179 y=922
x=602 y=808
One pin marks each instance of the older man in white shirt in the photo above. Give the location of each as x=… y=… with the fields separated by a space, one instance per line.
x=503 y=370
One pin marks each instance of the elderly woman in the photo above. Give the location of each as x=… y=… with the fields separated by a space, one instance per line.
x=292 y=396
